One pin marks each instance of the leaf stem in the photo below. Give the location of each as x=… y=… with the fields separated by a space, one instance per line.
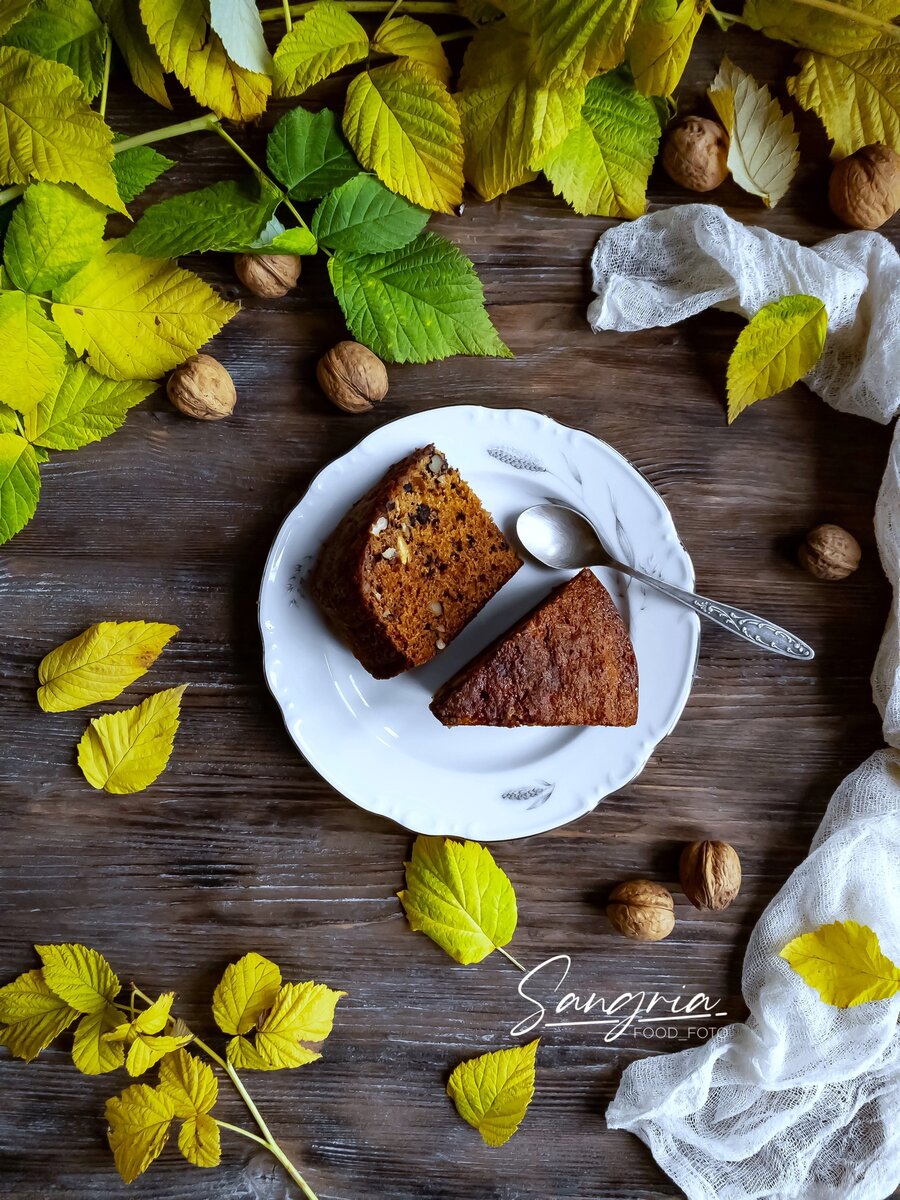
x=456 y=35
x=107 y=59
x=288 y=20
x=260 y=173
x=243 y=1132
x=437 y=7
x=724 y=20
x=515 y=962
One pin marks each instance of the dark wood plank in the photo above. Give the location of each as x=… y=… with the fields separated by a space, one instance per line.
x=241 y=846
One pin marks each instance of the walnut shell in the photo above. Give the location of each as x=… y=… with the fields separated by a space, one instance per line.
x=830 y=552
x=710 y=874
x=695 y=153
x=267 y=275
x=864 y=189
x=642 y=910
x=352 y=377
x=202 y=388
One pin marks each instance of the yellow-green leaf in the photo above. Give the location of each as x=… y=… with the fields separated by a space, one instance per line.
x=246 y=990
x=326 y=39
x=53 y=232
x=301 y=1012
x=67 y=31
x=458 y=896
x=492 y=1092
x=100 y=663
x=404 y=125
x=31 y=1015
x=124 y=20
x=602 y=166
x=661 y=43
x=199 y=1141
x=92 y=1052
x=189 y=1083
x=844 y=26
x=574 y=39
x=510 y=120
x=844 y=962
x=137 y=318
x=48 y=130
x=32 y=350
x=79 y=975
x=194 y=53
x=139 y=1123
x=408 y=38
x=778 y=346
x=12 y=11
x=762 y=148
x=126 y=751
x=20 y=484
x=85 y=408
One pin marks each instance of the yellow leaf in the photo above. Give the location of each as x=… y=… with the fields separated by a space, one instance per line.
x=408 y=38
x=92 y=1052
x=80 y=976
x=100 y=663
x=246 y=990
x=510 y=120
x=125 y=751
x=404 y=125
x=137 y=318
x=458 y=896
x=145 y=1051
x=189 y=1083
x=762 y=150
x=31 y=1015
x=844 y=962
x=194 y=53
x=661 y=43
x=124 y=20
x=322 y=42
x=32 y=350
x=139 y=1123
x=778 y=346
x=492 y=1092
x=199 y=1142
x=48 y=131
x=301 y=1012
x=155 y=1017
x=574 y=39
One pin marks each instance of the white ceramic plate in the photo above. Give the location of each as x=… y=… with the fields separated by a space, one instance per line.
x=376 y=741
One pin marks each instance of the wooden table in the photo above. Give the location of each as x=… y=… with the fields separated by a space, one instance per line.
x=241 y=846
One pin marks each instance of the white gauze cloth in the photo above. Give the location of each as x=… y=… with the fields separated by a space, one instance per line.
x=803 y=1100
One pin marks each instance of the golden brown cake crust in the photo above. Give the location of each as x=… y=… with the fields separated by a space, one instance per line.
x=569 y=661
x=410 y=565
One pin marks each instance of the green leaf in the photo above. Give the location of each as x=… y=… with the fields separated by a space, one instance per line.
x=238 y=24
x=12 y=11
x=139 y=1123
x=408 y=38
x=137 y=168
x=778 y=346
x=124 y=20
x=661 y=43
x=53 y=232
x=762 y=147
x=275 y=239
x=137 y=318
x=48 y=131
x=126 y=751
x=306 y=153
x=404 y=125
x=91 y=1052
x=32 y=350
x=246 y=990
x=20 y=484
x=31 y=1016
x=223 y=216
x=69 y=32
x=844 y=962
x=362 y=215
x=85 y=408
x=79 y=975
x=602 y=166
x=326 y=39
x=458 y=896
x=493 y=1091
x=417 y=304
x=575 y=39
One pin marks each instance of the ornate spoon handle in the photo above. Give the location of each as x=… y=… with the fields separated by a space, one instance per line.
x=743 y=624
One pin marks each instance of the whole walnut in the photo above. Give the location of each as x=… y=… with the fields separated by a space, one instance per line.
x=695 y=153
x=352 y=377
x=642 y=910
x=710 y=874
x=202 y=388
x=830 y=552
x=864 y=189
x=267 y=275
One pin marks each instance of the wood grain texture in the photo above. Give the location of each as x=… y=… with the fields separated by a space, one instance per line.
x=241 y=846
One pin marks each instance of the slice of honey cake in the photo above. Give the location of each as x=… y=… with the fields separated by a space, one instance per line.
x=410 y=565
